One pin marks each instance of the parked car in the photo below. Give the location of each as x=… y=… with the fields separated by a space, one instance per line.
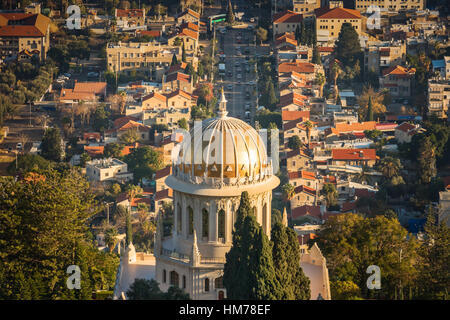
x=230 y=87
x=19 y=146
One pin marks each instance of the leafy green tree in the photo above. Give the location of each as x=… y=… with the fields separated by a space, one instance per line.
x=348 y=48
x=111 y=238
x=183 y=54
x=427 y=161
x=182 y=123
x=351 y=243
x=51 y=148
x=434 y=258
x=390 y=167
x=130 y=136
x=29 y=163
x=345 y=290
x=100 y=118
x=330 y=193
x=113 y=150
x=288 y=191
x=294 y=143
x=144 y=162
x=43 y=223
x=261 y=35
x=143 y=289
x=84 y=158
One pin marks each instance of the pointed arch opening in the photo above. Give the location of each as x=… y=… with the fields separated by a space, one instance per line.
x=205 y=223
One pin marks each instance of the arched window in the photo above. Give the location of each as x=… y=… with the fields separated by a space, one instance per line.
x=191 y=220
x=218 y=283
x=174 y=279
x=179 y=220
x=221 y=224
x=164 y=276
x=184 y=282
x=207 y=285
x=205 y=223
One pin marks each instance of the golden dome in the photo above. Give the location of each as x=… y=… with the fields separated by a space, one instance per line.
x=224 y=150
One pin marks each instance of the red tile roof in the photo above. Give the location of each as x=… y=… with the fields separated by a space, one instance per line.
x=399 y=71
x=150 y=33
x=119 y=122
x=189 y=25
x=348 y=206
x=337 y=13
x=306 y=211
x=90 y=87
x=300 y=67
x=163 y=194
x=294 y=115
x=405 y=127
x=191 y=12
x=157 y=96
x=287 y=16
x=297 y=152
x=353 y=154
x=305 y=189
x=163 y=172
x=179 y=92
x=24 y=25
x=94 y=150
x=303 y=174
x=178 y=76
x=130 y=13
x=177 y=67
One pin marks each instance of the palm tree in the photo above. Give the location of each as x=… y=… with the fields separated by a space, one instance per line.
x=363 y=176
x=390 y=167
x=132 y=192
x=142 y=211
x=336 y=71
x=288 y=191
x=330 y=193
x=320 y=81
x=308 y=126
x=111 y=238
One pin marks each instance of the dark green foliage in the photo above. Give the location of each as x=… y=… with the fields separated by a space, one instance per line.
x=144 y=162
x=174 y=60
x=286 y=261
x=348 y=48
x=316 y=56
x=266 y=117
x=370 y=110
x=129 y=226
x=434 y=275
x=51 y=148
x=29 y=162
x=113 y=150
x=143 y=289
x=294 y=143
x=427 y=161
x=100 y=118
x=43 y=230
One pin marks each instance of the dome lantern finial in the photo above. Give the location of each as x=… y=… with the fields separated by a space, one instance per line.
x=222 y=105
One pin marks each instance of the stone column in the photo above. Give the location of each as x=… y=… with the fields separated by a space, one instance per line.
x=212 y=222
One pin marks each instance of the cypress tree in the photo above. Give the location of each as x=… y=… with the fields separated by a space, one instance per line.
x=370 y=110
x=249 y=271
x=303 y=34
x=286 y=262
x=230 y=14
x=183 y=54
x=279 y=255
x=129 y=232
x=348 y=48
x=297 y=34
x=316 y=56
x=174 y=60
x=301 y=282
